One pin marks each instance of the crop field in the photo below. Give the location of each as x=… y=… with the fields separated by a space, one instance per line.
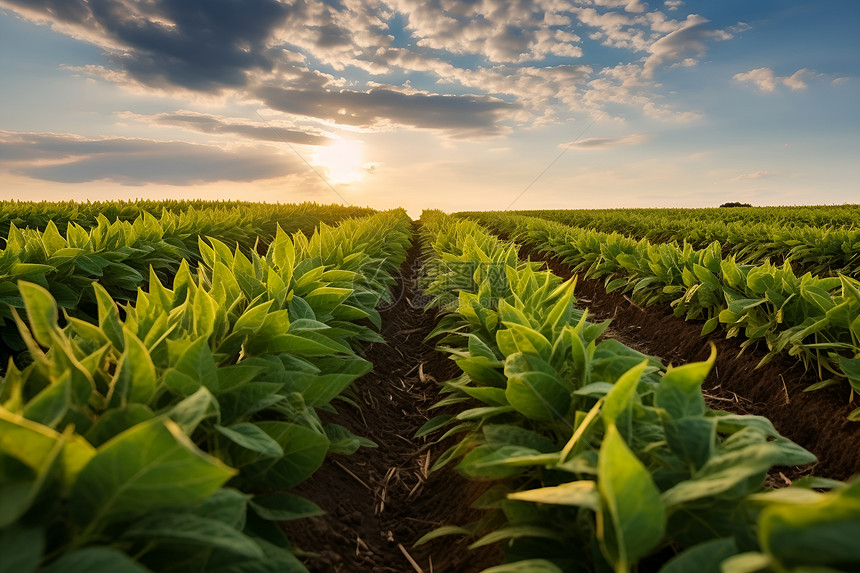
x=237 y=387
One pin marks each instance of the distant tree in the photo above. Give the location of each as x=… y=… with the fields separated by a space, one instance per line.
x=735 y=204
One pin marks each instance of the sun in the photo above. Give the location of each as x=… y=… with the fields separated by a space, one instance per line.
x=343 y=160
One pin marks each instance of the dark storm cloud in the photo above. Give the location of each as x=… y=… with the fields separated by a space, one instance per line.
x=206 y=123
x=192 y=44
x=72 y=159
x=459 y=115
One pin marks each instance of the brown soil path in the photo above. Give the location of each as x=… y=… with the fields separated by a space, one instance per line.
x=815 y=420
x=379 y=501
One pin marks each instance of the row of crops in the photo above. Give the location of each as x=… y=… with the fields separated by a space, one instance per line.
x=162 y=432
x=253 y=217
x=166 y=366
x=823 y=240
x=126 y=245
x=601 y=458
x=814 y=318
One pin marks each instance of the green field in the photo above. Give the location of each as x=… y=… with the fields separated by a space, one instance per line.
x=240 y=387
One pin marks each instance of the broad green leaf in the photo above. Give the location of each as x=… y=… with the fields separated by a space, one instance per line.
x=578 y=493
x=94 y=560
x=149 y=467
x=703 y=558
x=823 y=532
x=526 y=566
x=324 y=299
x=109 y=320
x=284 y=506
x=753 y=562
x=680 y=389
x=318 y=390
x=41 y=311
x=342 y=441
x=135 y=379
x=192 y=530
x=304 y=451
x=117 y=420
x=851 y=368
x=243 y=401
x=21 y=548
x=618 y=404
x=534 y=388
x=251 y=437
x=493 y=463
x=516 y=532
x=50 y=406
x=498 y=435
x=434 y=424
x=516 y=338
x=197 y=363
x=32 y=444
x=194 y=409
x=443 y=531
x=635 y=519
x=252 y=319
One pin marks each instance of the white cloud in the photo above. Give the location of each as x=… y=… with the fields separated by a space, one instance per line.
x=766 y=79
x=679 y=45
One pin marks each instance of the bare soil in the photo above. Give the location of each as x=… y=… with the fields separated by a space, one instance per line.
x=379 y=501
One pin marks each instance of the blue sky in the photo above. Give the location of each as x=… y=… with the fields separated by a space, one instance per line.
x=480 y=104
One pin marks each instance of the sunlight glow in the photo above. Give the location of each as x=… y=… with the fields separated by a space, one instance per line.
x=342 y=160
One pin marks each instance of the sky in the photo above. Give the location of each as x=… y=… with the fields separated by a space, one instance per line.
x=469 y=105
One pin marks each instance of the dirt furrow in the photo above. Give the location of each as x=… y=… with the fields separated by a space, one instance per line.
x=379 y=501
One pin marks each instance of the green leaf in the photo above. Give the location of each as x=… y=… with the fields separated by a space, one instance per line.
x=21 y=548
x=442 y=532
x=617 y=405
x=304 y=451
x=495 y=463
x=135 y=379
x=434 y=424
x=94 y=560
x=516 y=532
x=248 y=399
x=534 y=388
x=117 y=420
x=194 y=409
x=109 y=320
x=821 y=532
x=252 y=319
x=149 y=467
x=187 y=529
x=680 y=390
x=753 y=562
x=635 y=516
x=342 y=441
x=498 y=435
x=251 y=437
x=702 y=558
x=197 y=363
x=851 y=368
x=50 y=406
x=526 y=566
x=33 y=444
x=577 y=493
x=284 y=507
x=41 y=311
x=516 y=338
